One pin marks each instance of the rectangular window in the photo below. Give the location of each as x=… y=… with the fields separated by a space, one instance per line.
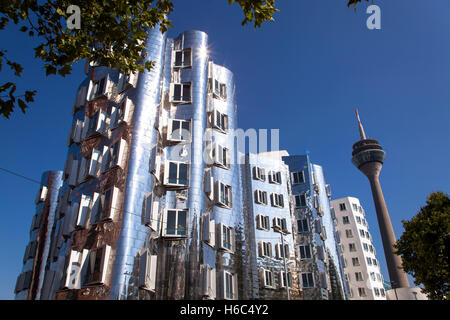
x=275 y=177
x=113 y=155
x=369 y=261
x=355 y=262
x=260 y=197
x=224 y=195
x=179 y=130
x=302 y=225
x=262 y=222
x=282 y=253
x=209 y=282
x=355 y=207
x=175 y=223
x=219 y=121
x=265 y=249
x=279 y=224
x=345 y=220
x=259 y=174
x=305 y=252
x=226 y=235
x=362 y=292
x=176 y=174
x=376 y=291
x=268 y=278
x=307 y=280
x=358 y=219
x=351 y=247
x=277 y=200
x=180 y=93
x=182 y=58
x=147 y=270
x=98 y=265
x=219 y=89
x=229 y=285
x=283 y=279
x=366 y=247
x=127 y=80
x=98 y=88
x=221 y=156
x=300 y=200
x=349 y=233
x=298 y=177
x=209 y=230
x=362 y=233
x=342 y=207
x=358 y=276
x=105 y=205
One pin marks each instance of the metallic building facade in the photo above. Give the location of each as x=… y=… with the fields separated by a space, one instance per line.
x=154 y=203
x=319 y=262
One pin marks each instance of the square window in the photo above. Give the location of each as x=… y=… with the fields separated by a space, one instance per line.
x=298 y=177
x=175 y=223
x=300 y=200
x=302 y=225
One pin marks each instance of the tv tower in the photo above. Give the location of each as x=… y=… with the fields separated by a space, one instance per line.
x=368 y=157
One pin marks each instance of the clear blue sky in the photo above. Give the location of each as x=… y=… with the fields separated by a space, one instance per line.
x=303 y=74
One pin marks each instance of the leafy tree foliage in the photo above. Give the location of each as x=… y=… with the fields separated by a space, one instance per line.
x=425 y=246
x=112 y=34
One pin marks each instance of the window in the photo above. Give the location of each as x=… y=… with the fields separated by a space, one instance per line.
x=355 y=207
x=218 y=89
x=376 y=291
x=362 y=292
x=375 y=262
x=367 y=235
x=276 y=200
x=147 y=270
x=175 y=223
x=307 y=280
x=105 y=205
x=275 y=177
x=355 y=262
x=352 y=247
x=83 y=211
x=342 y=207
x=121 y=113
x=209 y=184
x=345 y=220
x=358 y=276
x=219 y=121
x=268 y=278
x=94 y=125
x=209 y=230
x=382 y=292
x=127 y=80
x=328 y=190
x=221 y=156
x=73 y=266
x=151 y=211
x=265 y=249
x=179 y=130
x=349 y=233
x=113 y=155
x=259 y=174
x=358 y=219
x=364 y=222
x=283 y=279
x=379 y=277
x=371 y=248
x=260 y=197
x=176 y=174
x=180 y=93
x=224 y=195
x=227 y=237
x=366 y=247
x=98 y=88
x=209 y=281
x=182 y=58
x=229 y=285
x=305 y=252
x=369 y=261
x=362 y=233
x=298 y=177
x=279 y=223
x=372 y=276
x=300 y=200
x=98 y=265
x=282 y=252
x=302 y=225
x=262 y=222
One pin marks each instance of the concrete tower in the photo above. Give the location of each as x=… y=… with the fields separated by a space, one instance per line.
x=368 y=157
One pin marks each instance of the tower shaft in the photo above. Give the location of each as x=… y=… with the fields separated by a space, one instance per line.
x=394 y=262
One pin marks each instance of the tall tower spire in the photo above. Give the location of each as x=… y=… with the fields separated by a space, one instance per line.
x=368 y=157
x=361 y=128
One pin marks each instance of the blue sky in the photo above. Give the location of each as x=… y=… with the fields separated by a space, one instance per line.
x=303 y=74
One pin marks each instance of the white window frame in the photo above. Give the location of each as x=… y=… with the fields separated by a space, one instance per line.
x=209 y=282
x=226 y=158
x=262 y=222
x=277 y=200
x=300 y=197
x=185 y=63
x=218 y=193
x=182 y=99
x=148 y=264
x=259 y=173
x=260 y=197
x=275 y=177
x=283 y=279
x=209 y=184
x=265 y=249
x=170 y=135
x=127 y=80
x=167 y=173
x=224 y=124
x=92 y=86
x=229 y=232
x=174 y=234
x=282 y=254
x=106 y=253
x=268 y=274
x=296 y=176
x=209 y=230
x=151 y=211
x=233 y=285
x=120 y=113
